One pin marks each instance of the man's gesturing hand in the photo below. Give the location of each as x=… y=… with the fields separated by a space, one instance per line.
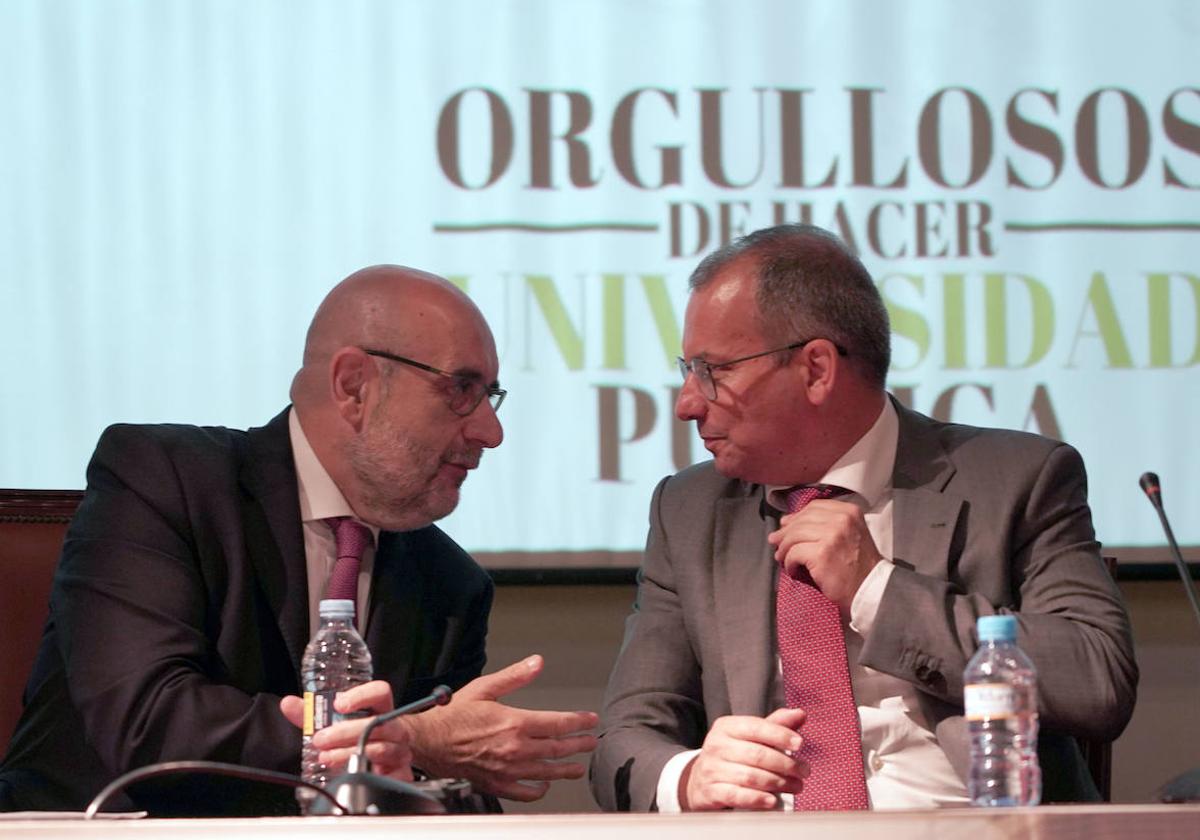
x=745 y=762
x=501 y=750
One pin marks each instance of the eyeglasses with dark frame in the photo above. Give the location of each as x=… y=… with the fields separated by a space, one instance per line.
x=703 y=370
x=468 y=392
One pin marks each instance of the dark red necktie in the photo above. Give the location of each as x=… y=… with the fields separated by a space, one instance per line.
x=352 y=538
x=816 y=678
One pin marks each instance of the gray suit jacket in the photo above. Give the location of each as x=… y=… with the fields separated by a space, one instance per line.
x=985 y=521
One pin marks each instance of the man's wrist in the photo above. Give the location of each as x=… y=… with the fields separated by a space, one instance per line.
x=682 y=788
x=671 y=795
x=418 y=743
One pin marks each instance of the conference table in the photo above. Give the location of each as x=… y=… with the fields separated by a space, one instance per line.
x=1061 y=822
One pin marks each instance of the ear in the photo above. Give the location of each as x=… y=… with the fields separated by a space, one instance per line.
x=822 y=367
x=351 y=374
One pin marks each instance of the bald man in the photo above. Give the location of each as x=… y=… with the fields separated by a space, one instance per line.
x=190 y=577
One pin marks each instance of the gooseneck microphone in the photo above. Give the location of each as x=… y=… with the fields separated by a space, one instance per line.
x=1153 y=491
x=440 y=696
x=359 y=792
x=1186 y=786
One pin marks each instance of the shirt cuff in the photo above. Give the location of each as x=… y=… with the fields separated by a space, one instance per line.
x=865 y=605
x=667 y=798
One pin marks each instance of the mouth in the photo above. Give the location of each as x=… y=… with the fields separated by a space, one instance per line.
x=457 y=473
x=457 y=468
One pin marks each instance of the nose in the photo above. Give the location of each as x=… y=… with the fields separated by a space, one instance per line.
x=690 y=404
x=483 y=426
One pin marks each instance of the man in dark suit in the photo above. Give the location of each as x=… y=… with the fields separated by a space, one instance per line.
x=189 y=579
x=786 y=344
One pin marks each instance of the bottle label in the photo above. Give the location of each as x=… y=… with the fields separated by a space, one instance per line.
x=319 y=712
x=989 y=701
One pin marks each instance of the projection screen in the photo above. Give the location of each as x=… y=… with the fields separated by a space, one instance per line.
x=181 y=182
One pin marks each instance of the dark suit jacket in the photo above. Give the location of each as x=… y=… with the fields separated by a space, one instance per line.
x=984 y=521
x=179 y=615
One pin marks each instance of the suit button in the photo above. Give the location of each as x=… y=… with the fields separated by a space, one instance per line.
x=927 y=674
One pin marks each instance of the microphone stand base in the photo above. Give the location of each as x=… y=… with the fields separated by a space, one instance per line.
x=1183 y=788
x=371 y=795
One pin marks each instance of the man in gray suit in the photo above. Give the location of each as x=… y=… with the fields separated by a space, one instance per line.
x=786 y=349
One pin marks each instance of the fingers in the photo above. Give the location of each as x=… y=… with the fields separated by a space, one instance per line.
x=789 y=718
x=745 y=762
x=815 y=521
x=500 y=749
x=520 y=791
x=388 y=750
x=550 y=748
x=347 y=732
x=714 y=783
x=806 y=528
x=760 y=779
x=539 y=735
x=519 y=778
x=491 y=745
x=830 y=540
x=546 y=771
x=505 y=681
x=374 y=696
x=755 y=765
x=555 y=724
x=387 y=758
x=723 y=795
x=293 y=709
x=771 y=732
x=342 y=734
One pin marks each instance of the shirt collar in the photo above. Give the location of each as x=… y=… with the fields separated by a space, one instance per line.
x=320 y=497
x=866 y=467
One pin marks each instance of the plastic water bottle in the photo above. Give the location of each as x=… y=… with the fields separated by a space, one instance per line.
x=336 y=659
x=1000 y=694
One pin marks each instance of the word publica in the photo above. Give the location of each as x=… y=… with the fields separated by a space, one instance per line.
x=630 y=419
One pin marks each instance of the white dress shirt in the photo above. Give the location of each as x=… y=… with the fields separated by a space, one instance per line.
x=903 y=764
x=321 y=499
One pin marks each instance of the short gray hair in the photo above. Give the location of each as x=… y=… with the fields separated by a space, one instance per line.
x=810 y=285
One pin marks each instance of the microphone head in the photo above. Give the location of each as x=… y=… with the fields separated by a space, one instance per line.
x=1150 y=486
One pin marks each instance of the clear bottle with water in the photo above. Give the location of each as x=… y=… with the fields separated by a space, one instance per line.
x=1000 y=696
x=336 y=659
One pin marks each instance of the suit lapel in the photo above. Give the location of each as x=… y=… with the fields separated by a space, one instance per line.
x=744 y=579
x=393 y=626
x=274 y=535
x=924 y=515
x=925 y=518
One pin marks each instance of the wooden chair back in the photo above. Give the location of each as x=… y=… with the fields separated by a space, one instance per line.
x=32 y=526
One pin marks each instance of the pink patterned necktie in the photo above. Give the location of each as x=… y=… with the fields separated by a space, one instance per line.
x=352 y=538
x=816 y=678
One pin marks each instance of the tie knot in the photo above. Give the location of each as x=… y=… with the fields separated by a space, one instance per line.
x=351 y=536
x=801 y=495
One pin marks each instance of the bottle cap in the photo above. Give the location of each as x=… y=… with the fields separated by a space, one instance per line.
x=336 y=608
x=996 y=628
